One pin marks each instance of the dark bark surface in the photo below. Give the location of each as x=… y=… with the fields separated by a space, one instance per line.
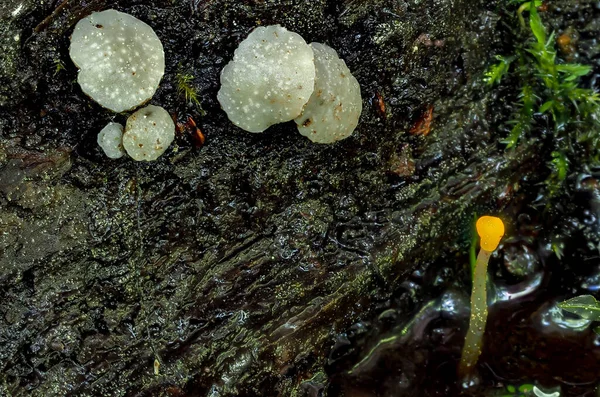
x=263 y=264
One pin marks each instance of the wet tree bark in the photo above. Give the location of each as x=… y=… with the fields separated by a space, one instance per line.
x=242 y=267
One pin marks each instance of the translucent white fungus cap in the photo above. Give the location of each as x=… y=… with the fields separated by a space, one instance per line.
x=333 y=110
x=121 y=60
x=148 y=133
x=269 y=80
x=110 y=139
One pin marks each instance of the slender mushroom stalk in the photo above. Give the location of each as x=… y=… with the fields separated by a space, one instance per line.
x=490 y=230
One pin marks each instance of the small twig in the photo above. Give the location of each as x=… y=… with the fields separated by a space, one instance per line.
x=42 y=25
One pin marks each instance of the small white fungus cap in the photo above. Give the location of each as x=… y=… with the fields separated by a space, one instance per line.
x=269 y=80
x=333 y=110
x=110 y=139
x=121 y=60
x=148 y=133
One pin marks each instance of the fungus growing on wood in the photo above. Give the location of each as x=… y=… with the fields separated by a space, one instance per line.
x=120 y=59
x=275 y=77
x=490 y=230
x=269 y=80
x=148 y=133
x=110 y=139
x=333 y=110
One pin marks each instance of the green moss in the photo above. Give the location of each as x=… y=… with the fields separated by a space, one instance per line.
x=550 y=86
x=58 y=66
x=497 y=71
x=185 y=89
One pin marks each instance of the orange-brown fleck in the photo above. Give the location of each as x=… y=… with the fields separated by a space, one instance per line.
x=564 y=40
x=197 y=134
x=423 y=124
x=380 y=103
x=199 y=137
x=567 y=43
x=543 y=7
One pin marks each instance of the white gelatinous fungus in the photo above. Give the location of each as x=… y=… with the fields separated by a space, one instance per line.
x=269 y=80
x=120 y=59
x=110 y=139
x=148 y=133
x=333 y=110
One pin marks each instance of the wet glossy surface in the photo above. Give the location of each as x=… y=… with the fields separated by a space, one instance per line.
x=269 y=266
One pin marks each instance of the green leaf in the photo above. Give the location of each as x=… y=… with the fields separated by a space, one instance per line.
x=523 y=124
x=544 y=108
x=574 y=69
x=513 y=138
x=583 y=95
x=526 y=388
x=511 y=389
x=585 y=306
x=549 y=47
x=558 y=248
x=525 y=6
x=537 y=27
x=496 y=72
x=560 y=164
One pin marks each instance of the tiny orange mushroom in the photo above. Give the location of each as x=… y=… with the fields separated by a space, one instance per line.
x=490 y=230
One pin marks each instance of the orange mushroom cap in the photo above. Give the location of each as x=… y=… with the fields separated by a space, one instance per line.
x=490 y=230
